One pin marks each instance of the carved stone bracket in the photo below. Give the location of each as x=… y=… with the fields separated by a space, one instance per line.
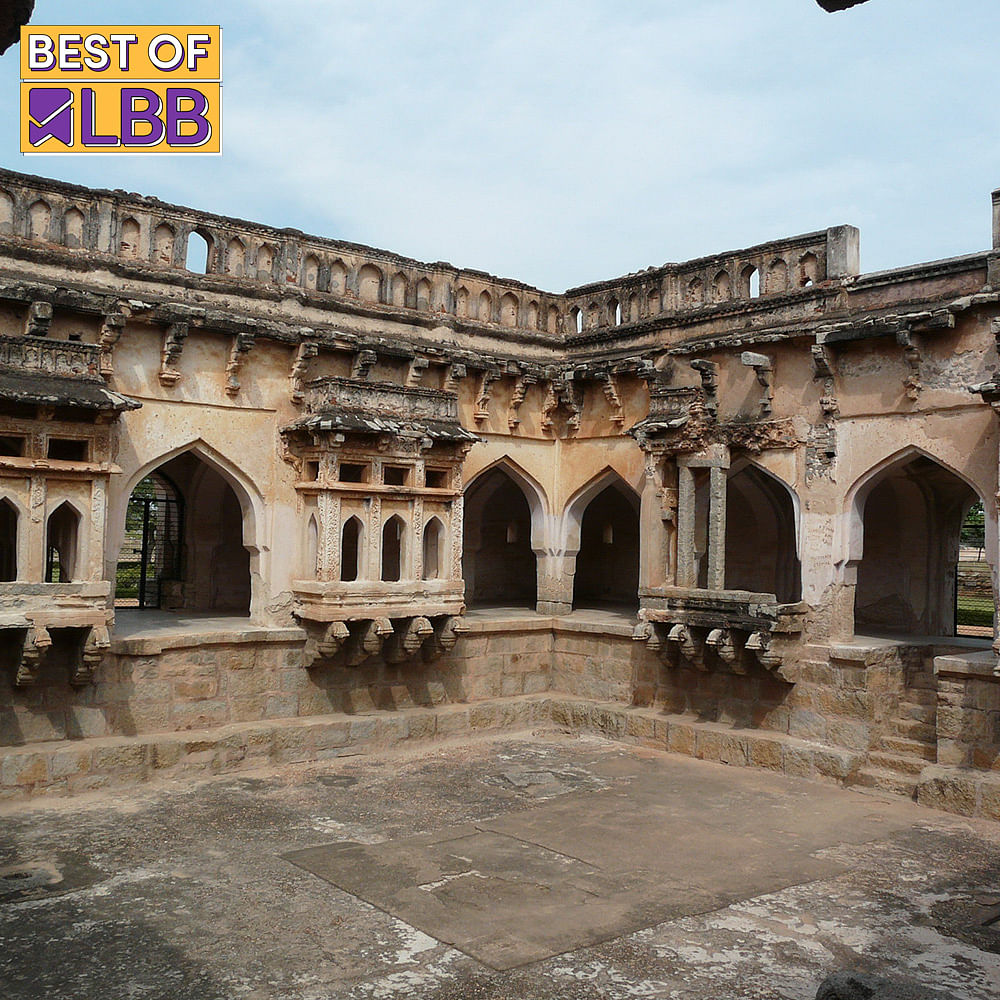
x=764 y=370
x=36 y=646
x=364 y=362
x=333 y=638
x=688 y=644
x=456 y=372
x=98 y=642
x=612 y=394
x=308 y=349
x=759 y=644
x=407 y=639
x=522 y=382
x=447 y=632
x=39 y=319
x=368 y=642
x=173 y=344
x=415 y=372
x=484 y=393
x=242 y=345
x=111 y=332
x=911 y=354
x=722 y=641
x=709 y=374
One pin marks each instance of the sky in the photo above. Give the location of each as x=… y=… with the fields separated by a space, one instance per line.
x=567 y=141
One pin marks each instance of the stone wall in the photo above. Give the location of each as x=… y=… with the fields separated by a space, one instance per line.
x=205 y=680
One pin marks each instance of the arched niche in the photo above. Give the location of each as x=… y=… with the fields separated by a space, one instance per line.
x=503 y=514
x=434 y=549
x=8 y=541
x=62 y=544
x=761 y=535
x=905 y=528
x=393 y=549
x=223 y=512
x=351 y=548
x=603 y=528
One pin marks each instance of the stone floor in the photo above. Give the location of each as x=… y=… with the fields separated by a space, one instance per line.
x=528 y=866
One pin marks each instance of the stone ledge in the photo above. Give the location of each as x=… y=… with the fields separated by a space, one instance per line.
x=981 y=665
x=711 y=741
x=71 y=766
x=195 y=638
x=959 y=790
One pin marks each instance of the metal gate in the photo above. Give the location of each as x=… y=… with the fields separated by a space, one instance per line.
x=150 y=553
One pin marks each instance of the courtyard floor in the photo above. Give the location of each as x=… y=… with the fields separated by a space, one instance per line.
x=527 y=866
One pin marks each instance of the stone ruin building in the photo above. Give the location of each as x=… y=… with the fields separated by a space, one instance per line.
x=265 y=495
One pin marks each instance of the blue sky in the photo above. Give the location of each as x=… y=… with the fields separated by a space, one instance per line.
x=562 y=142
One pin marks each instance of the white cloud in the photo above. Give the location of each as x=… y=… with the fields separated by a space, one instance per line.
x=561 y=142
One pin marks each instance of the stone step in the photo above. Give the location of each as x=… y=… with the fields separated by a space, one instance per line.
x=886 y=781
x=927 y=714
x=920 y=695
x=914 y=730
x=896 y=762
x=906 y=748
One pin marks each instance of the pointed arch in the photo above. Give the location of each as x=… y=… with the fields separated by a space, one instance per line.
x=424 y=294
x=722 y=286
x=310 y=272
x=266 y=256
x=776 y=280
x=857 y=495
x=63 y=544
x=601 y=528
x=503 y=532
x=73 y=228
x=533 y=315
x=39 y=220
x=236 y=257
x=311 y=554
x=198 y=255
x=485 y=312
x=394 y=549
x=370 y=283
x=6 y=213
x=434 y=549
x=128 y=239
x=251 y=509
x=905 y=521
x=10 y=519
x=338 y=277
x=762 y=533
x=399 y=287
x=579 y=501
x=695 y=292
x=509 y=308
x=163 y=244
x=352 y=548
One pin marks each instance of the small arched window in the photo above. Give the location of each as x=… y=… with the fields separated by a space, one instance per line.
x=393 y=549
x=73 y=228
x=198 y=250
x=8 y=541
x=312 y=548
x=350 y=550
x=62 y=540
x=433 y=549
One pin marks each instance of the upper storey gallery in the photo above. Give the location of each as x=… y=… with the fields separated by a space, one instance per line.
x=181 y=246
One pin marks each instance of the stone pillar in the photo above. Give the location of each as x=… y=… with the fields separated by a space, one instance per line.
x=717 y=529
x=685 y=527
x=555 y=575
x=843 y=252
